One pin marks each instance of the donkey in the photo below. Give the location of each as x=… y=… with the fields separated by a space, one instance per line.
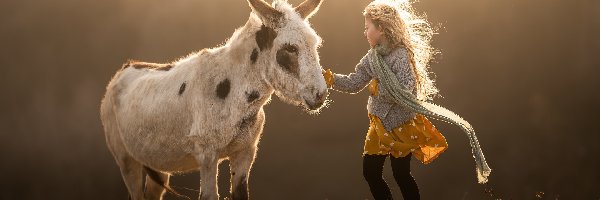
x=207 y=107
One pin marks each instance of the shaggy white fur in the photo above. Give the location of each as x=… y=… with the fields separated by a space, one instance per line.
x=208 y=106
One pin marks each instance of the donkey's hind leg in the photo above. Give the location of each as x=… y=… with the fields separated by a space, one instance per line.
x=154 y=190
x=132 y=172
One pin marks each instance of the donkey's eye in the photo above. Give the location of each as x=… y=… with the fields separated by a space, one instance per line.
x=287 y=58
x=291 y=48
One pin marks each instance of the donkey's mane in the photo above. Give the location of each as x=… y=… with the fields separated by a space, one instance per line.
x=146 y=65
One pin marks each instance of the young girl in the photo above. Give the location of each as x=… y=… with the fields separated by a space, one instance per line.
x=396 y=71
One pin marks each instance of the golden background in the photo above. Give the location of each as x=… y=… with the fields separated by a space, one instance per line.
x=524 y=73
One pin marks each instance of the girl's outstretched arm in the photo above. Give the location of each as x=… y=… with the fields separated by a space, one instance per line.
x=351 y=83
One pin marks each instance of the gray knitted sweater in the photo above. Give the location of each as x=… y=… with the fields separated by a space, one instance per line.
x=383 y=106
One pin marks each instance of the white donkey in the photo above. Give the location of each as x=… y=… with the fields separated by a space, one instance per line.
x=193 y=113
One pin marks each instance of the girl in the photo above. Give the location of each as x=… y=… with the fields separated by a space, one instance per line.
x=396 y=71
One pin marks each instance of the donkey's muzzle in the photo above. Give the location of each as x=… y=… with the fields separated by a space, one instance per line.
x=320 y=98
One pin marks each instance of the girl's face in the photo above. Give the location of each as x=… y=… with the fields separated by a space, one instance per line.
x=373 y=32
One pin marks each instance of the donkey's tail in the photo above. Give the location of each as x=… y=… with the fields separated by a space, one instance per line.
x=155 y=176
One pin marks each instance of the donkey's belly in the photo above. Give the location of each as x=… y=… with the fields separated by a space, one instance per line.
x=161 y=143
x=166 y=153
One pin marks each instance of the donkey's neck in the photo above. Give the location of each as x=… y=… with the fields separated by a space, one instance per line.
x=242 y=59
x=239 y=60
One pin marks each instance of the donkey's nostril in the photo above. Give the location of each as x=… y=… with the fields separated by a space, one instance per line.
x=321 y=96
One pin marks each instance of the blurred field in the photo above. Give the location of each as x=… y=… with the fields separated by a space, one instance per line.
x=524 y=73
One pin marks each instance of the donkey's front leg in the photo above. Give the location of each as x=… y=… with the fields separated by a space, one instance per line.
x=208 y=175
x=240 y=164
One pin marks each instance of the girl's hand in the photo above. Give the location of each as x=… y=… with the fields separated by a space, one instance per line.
x=328 y=75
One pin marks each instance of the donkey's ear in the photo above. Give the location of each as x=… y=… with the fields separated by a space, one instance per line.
x=308 y=8
x=269 y=15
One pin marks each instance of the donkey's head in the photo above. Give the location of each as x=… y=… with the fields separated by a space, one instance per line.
x=288 y=47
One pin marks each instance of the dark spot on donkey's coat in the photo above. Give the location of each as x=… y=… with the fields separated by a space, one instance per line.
x=265 y=37
x=248 y=121
x=223 y=89
x=251 y=96
x=254 y=56
x=182 y=88
x=287 y=58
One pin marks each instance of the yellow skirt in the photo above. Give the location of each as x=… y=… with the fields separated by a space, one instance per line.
x=417 y=136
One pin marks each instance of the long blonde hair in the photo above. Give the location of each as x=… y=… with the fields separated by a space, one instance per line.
x=402 y=26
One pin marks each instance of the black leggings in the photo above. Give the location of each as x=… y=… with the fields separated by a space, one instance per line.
x=373 y=173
